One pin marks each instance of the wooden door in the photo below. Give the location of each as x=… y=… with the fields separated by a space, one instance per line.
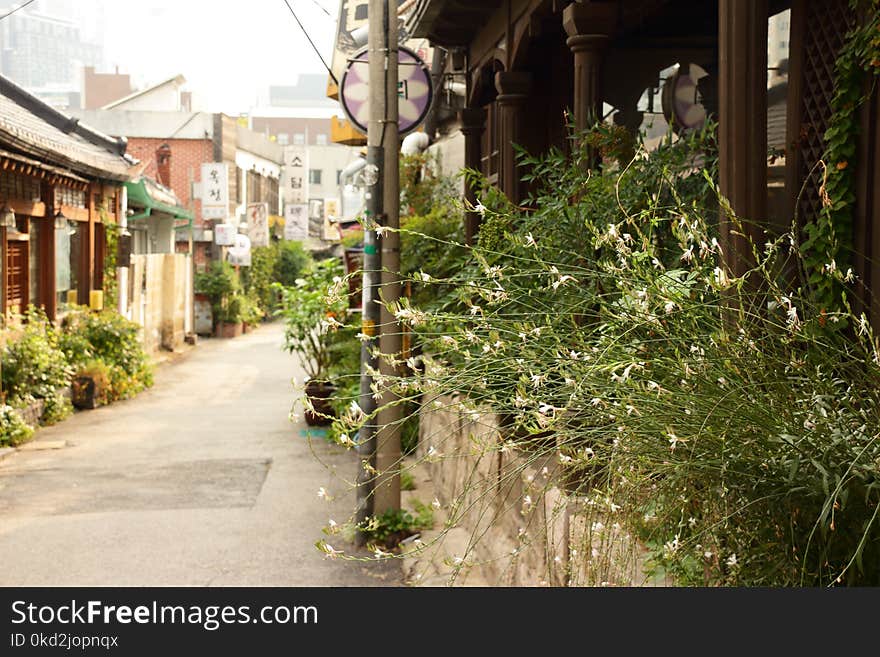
x=16 y=275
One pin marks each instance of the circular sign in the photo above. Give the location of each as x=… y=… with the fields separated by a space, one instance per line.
x=415 y=90
x=682 y=105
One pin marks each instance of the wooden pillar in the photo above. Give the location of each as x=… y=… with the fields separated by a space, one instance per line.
x=46 y=274
x=589 y=28
x=473 y=123
x=742 y=126
x=513 y=92
x=89 y=246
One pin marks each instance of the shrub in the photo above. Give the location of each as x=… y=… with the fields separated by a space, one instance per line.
x=113 y=340
x=257 y=280
x=731 y=423
x=292 y=261
x=13 y=430
x=219 y=284
x=34 y=364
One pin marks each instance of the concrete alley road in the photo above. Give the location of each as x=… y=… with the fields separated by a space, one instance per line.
x=202 y=480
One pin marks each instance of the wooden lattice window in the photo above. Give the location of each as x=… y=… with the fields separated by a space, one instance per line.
x=826 y=23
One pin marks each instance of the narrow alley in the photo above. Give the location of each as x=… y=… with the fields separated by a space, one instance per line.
x=201 y=480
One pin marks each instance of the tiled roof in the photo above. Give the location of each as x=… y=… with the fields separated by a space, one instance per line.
x=35 y=129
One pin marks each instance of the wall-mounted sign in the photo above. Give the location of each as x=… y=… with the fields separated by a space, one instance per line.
x=415 y=90
x=224 y=234
x=296 y=221
x=258 y=223
x=294 y=178
x=215 y=190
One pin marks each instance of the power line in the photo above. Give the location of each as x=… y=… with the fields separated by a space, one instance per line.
x=15 y=9
x=322 y=8
x=314 y=47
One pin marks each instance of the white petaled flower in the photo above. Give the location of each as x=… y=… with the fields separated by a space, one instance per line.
x=850 y=277
x=475 y=310
x=331 y=523
x=546 y=409
x=669 y=307
x=381 y=230
x=731 y=560
x=530 y=241
x=792 y=316
x=300 y=282
x=435 y=504
x=538 y=379
x=720 y=276
x=323 y=494
x=612 y=231
x=688 y=255
x=673 y=440
x=480 y=208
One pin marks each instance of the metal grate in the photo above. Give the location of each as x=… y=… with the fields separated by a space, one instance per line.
x=827 y=23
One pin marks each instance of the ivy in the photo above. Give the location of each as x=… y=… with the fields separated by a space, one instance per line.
x=828 y=244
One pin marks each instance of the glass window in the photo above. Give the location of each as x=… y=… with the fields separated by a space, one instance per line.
x=315 y=176
x=299 y=138
x=321 y=139
x=283 y=139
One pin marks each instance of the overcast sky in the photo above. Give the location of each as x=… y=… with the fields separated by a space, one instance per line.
x=230 y=51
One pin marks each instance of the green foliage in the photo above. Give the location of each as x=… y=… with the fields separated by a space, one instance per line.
x=111 y=238
x=34 y=365
x=422 y=187
x=311 y=310
x=13 y=430
x=829 y=237
x=220 y=283
x=393 y=526
x=108 y=337
x=257 y=280
x=716 y=418
x=292 y=261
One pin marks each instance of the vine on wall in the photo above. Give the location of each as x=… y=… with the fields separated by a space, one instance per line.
x=828 y=243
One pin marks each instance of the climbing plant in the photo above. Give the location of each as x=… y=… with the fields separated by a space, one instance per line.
x=828 y=242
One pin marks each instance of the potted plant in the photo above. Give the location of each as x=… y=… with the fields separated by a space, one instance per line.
x=311 y=318
x=229 y=318
x=91 y=385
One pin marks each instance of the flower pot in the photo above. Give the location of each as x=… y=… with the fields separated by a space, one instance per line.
x=319 y=394
x=228 y=330
x=85 y=394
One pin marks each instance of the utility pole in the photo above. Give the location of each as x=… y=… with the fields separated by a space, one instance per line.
x=388 y=457
x=372 y=266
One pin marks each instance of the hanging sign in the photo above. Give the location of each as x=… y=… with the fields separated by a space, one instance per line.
x=294 y=179
x=240 y=253
x=224 y=234
x=415 y=90
x=258 y=223
x=296 y=221
x=215 y=190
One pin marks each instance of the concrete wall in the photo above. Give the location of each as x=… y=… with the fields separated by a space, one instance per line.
x=161 y=299
x=521 y=526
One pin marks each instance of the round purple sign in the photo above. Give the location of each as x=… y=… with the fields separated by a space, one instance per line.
x=415 y=90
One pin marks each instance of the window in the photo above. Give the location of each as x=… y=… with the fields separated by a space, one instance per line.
x=360 y=12
x=283 y=139
x=68 y=255
x=315 y=176
x=299 y=138
x=321 y=139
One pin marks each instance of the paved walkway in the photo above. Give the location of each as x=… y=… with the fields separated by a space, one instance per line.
x=201 y=480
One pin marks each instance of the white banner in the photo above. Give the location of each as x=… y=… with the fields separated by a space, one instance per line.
x=258 y=224
x=215 y=190
x=296 y=221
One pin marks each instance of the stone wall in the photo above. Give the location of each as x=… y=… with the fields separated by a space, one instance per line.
x=508 y=518
x=160 y=286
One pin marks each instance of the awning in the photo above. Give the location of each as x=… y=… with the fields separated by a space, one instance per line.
x=151 y=197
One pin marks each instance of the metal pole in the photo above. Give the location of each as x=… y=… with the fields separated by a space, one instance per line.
x=371 y=267
x=387 y=489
